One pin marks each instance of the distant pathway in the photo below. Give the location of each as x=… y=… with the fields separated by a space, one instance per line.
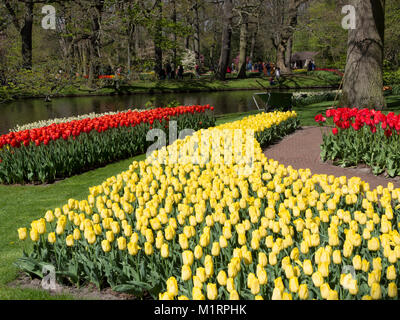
x=302 y=150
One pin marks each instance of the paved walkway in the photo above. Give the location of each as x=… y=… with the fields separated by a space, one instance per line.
x=302 y=150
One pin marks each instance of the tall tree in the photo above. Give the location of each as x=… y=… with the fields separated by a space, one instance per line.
x=283 y=39
x=226 y=40
x=363 y=80
x=247 y=12
x=24 y=27
x=244 y=26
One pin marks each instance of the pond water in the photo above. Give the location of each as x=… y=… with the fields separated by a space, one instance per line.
x=30 y=110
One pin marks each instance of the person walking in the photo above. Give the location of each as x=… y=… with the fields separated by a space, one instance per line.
x=260 y=67
x=197 y=71
x=269 y=69
x=278 y=74
x=180 y=72
x=168 y=70
x=173 y=71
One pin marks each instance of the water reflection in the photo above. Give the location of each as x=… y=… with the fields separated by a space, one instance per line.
x=31 y=110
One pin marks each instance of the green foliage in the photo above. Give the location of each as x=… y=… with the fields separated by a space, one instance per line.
x=351 y=148
x=391 y=77
x=313 y=98
x=396 y=90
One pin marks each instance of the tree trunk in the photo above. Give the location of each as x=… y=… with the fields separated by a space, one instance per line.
x=363 y=81
x=226 y=40
x=175 y=36
x=243 y=47
x=158 y=53
x=95 y=38
x=253 y=45
x=280 y=57
x=26 y=36
x=286 y=34
x=197 y=33
x=288 y=53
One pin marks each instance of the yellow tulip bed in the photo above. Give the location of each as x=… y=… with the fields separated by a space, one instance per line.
x=249 y=228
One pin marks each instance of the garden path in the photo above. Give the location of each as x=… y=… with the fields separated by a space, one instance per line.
x=302 y=150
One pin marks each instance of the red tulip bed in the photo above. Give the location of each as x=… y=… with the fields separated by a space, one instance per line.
x=61 y=150
x=363 y=136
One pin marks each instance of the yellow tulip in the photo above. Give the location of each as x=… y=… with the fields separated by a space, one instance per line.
x=222 y=278
x=148 y=248
x=317 y=279
x=325 y=290
x=115 y=227
x=105 y=245
x=172 y=286
x=69 y=240
x=133 y=248
x=34 y=235
x=201 y=273
x=198 y=252
x=365 y=265
x=121 y=243
x=276 y=294
x=303 y=292
x=230 y=285
x=376 y=292
x=41 y=226
x=307 y=267
x=197 y=294
x=110 y=236
x=234 y=295
x=188 y=257
x=51 y=237
x=392 y=290
x=357 y=263
x=373 y=244
x=186 y=272
x=49 y=216
x=391 y=273
x=293 y=284
x=22 y=233
x=216 y=249
x=212 y=292
x=165 y=250
x=377 y=264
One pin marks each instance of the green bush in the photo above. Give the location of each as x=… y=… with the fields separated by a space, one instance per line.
x=396 y=90
x=312 y=98
x=325 y=75
x=391 y=78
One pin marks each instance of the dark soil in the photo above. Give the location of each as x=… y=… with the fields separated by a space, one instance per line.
x=88 y=292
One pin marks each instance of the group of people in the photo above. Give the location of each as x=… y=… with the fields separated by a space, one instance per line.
x=170 y=72
x=267 y=68
x=310 y=65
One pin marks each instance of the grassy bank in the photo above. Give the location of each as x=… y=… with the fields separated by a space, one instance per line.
x=313 y=80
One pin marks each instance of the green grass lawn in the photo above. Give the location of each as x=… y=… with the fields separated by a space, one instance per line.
x=20 y=205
